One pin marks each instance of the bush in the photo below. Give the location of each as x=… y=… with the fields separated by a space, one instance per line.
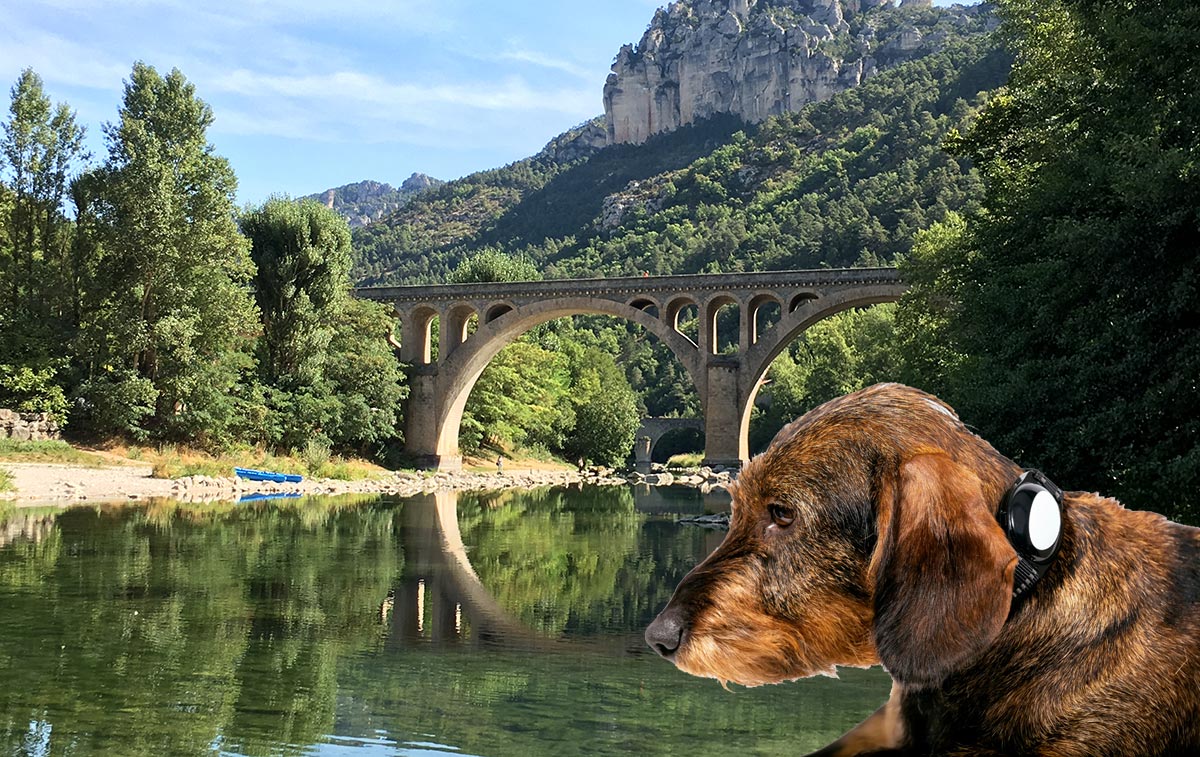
x=32 y=391
x=315 y=454
x=119 y=402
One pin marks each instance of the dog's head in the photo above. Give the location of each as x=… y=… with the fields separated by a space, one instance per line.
x=865 y=533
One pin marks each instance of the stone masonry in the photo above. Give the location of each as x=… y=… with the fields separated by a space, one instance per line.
x=27 y=427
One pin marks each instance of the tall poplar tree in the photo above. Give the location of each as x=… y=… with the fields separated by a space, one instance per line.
x=40 y=143
x=171 y=341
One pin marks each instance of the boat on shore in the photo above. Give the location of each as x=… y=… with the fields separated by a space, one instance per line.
x=259 y=475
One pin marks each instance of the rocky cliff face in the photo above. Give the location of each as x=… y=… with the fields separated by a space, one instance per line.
x=365 y=202
x=759 y=58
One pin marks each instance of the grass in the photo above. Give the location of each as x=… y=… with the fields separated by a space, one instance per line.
x=6 y=481
x=685 y=460
x=13 y=451
x=170 y=461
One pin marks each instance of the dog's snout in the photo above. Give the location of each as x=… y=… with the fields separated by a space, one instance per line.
x=665 y=634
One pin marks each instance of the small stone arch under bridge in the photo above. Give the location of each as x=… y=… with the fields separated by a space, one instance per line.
x=726 y=383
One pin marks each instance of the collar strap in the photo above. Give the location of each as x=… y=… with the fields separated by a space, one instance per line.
x=1031 y=516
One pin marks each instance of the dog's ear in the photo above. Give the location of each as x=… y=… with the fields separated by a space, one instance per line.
x=943 y=571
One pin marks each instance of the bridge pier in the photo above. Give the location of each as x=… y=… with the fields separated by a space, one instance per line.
x=724 y=444
x=421 y=433
x=642 y=447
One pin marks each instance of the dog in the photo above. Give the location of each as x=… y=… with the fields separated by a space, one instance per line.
x=871 y=532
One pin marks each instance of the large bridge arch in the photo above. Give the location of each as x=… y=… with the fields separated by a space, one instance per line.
x=808 y=312
x=463 y=368
x=726 y=383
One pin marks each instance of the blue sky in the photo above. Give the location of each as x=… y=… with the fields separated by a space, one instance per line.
x=311 y=94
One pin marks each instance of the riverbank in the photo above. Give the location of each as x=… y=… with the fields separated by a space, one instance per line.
x=43 y=483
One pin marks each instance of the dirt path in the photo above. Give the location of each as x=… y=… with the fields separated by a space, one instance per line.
x=46 y=482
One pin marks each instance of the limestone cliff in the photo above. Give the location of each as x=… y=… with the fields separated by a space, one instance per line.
x=759 y=58
x=365 y=202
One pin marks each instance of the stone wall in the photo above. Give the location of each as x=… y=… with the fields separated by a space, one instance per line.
x=25 y=427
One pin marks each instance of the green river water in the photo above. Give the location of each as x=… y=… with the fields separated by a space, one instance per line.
x=500 y=624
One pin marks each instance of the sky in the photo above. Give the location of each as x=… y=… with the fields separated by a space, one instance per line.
x=312 y=94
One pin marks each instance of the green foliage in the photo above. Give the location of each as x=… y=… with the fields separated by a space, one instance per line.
x=27 y=390
x=116 y=402
x=492 y=265
x=365 y=378
x=520 y=399
x=607 y=414
x=537 y=201
x=39 y=145
x=301 y=253
x=6 y=481
x=171 y=304
x=838 y=355
x=1073 y=297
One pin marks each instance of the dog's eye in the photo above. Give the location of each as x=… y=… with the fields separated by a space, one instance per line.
x=781 y=515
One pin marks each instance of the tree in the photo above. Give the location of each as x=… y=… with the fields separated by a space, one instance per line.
x=39 y=145
x=607 y=414
x=492 y=265
x=301 y=251
x=175 y=315
x=1073 y=298
x=520 y=400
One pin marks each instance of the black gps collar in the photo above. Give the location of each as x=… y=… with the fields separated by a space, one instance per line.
x=1031 y=516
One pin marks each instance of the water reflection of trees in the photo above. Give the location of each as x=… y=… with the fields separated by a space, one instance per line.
x=170 y=628
x=572 y=561
x=151 y=630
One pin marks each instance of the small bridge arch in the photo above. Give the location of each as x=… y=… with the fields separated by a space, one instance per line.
x=726 y=383
x=653 y=429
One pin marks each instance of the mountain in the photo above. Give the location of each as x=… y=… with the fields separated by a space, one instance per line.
x=841 y=181
x=760 y=58
x=365 y=202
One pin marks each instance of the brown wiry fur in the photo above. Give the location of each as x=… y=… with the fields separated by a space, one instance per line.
x=895 y=556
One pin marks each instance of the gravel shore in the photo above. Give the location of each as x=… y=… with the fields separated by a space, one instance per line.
x=38 y=483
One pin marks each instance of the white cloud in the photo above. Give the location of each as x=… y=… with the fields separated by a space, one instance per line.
x=543 y=60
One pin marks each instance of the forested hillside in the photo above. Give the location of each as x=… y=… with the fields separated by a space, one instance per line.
x=844 y=181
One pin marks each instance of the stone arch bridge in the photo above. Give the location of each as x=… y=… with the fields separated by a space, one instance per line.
x=726 y=383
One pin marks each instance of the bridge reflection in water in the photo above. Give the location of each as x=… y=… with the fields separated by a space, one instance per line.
x=442 y=600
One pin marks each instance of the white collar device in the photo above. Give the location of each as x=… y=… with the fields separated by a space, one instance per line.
x=1031 y=516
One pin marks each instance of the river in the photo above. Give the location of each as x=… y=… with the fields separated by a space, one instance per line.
x=448 y=624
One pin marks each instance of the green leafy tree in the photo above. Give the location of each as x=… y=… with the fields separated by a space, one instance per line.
x=301 y=251
x=607 y=413
x=40 y=144
x=520 y=400
x=1073 y=297
x=173 y=309
x=324 y=358
x=493 y=265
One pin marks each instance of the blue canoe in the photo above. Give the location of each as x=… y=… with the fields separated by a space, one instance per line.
x=262 y=475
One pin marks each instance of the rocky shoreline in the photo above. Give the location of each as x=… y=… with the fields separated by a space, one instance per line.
x=42 y=484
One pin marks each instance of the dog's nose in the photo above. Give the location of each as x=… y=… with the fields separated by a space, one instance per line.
x=666 y=632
